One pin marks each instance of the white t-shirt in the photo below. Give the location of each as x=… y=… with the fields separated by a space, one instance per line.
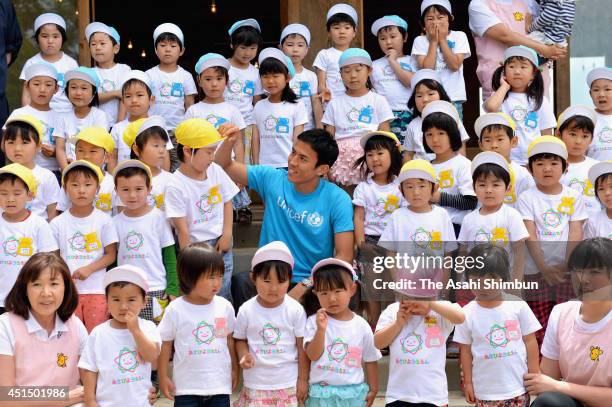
x=47 y=191
x=242 y=86
x=523 y=181
x=170 y=89
x=352 y=116
x=141 y=240
x=275 y=123
x=551 y=215
x=201 y=202
x=347 y=345
x=305 y=85
x=123 y=150
x=387 y=84
x=577 y=177
x=598 y=225
x=158 y=188
x=49 y=121
x=419 y=350
x=600 y=148
x=453 y=82
x=379 y=202
x=111 y=80
x=216 y=114
x=21 y=240
x=498 y=350
x=70 y=125
x=455 y=178
x=413 y=139
x=328 y=60
x=202 y=363
x=59 y=102
x=271 y=334
x=123 y=377
x=529 y=123
x=82 y=241
x=481 y=17
x=106 y=198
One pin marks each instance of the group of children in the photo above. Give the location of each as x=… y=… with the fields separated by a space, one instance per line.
x=149 y=189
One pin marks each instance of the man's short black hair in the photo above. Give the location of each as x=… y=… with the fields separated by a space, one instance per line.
x=323 y=144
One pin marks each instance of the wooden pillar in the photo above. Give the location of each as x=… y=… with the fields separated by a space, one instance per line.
x=85 y=10
x=562 y=83
x=312 y=14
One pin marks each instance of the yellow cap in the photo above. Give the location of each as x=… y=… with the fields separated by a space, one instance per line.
x=83 y=163
x=488 y=119
x=133 y=130
x=197 y=133
x=98 y=137
x=364 y=139
x=547 y=144
x=23 y=173
x=420 y=169
x=132 y=164
x=29 y=119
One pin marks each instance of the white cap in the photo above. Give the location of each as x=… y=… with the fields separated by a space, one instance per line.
x=152 y=121
x=428 y=3
x=168 y=28
x=490 y=157
x=49 y=18
x=210 y=60
x=577 y=110
x=40 y=69
x=139 y=75
x=441 y=106
x=599 y=169
x=521 y=51
x=423 y=74
x=277 y=251
x=342 y=9
x=335 y=262
x=249 y=22
x=127 y=273
x=132 y=164
x=278 y=55
x=489 y=119
x=389 y=21
x=97 y=27
x=296 y=29
x=547 y=145
x=599 y=73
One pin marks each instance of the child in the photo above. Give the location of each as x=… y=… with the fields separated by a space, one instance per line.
x=600 y=87
x=22 y=233
x=553 y=23
x=391 y=74
x=87 y=240
x=280 y=117
x=441 y=136
x=495 y=133
x=104 y=44
x=351 y=113
x=82 y=90
x=553 y=214
x=50 y=36
x=145 y=237
x=198 y=326
x=41 y=85
x=294 y=41
x=21 y=139
x=519 y=92
x=600 y=225
x=94 y=145
x=341 y=27
x=338 y=342
x=269 y=334
x=198 y=199
x=172 y=86
x=575 y=129
x=497 y=339
x=116 y=362
x=148 y=141
x=442 y=49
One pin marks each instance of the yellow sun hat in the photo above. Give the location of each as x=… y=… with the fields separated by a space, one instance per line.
x=197 y=133
x=135 y=128
x=23 y=173
x=29 y=119
x=98 y=137
x=547 y=144
x=86 y=164
x=420 y=169
x=364 y=139
x=489 y=119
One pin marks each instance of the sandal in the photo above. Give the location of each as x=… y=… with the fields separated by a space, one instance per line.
x=244 y=216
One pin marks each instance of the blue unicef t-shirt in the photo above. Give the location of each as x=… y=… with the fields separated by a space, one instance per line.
x=306 y=223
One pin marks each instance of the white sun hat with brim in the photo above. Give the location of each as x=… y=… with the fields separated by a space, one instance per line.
x=490 y=157
x=126 y=273
x=599 y=169
x=342 y=9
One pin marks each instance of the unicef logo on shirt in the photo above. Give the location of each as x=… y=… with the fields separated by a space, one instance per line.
x=314 y=219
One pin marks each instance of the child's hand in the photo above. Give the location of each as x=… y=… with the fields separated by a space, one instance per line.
x=536 y=383
x=370 y=397
x=325 y=95
x=503 y=83
x=442 y=32
x=131 y=320
x=171 y=298
x=47 y=150
x=81 y=274
x=419 y=307
x=247 y=361
x=76 y=395
x=403 y=313
x=229 y=131
x=468 y=389
x=224 y=244
x=321 y=319
x=302 y=390
x=392 y=54
x=553 y=275
x=167 y=387
x=431 y=31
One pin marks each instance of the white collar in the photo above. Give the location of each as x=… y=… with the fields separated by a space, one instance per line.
x=33 y=326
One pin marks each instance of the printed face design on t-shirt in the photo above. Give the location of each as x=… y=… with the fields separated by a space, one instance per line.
x=337 y=351
x=595 y=352
x=174 y=89
x=412 y=343
x=270 y=334
x=10 y=246
x=497 y=336
x=107 y=85
x=235 y=86
x=207 y=202
x=127 y=361
x=133 y=241
x=421 y=238
x=604 y=136
x=582 y=186
x=551 y=219
x=77 y=242
x=215 y=120
x=519 y=113
x=204 y=333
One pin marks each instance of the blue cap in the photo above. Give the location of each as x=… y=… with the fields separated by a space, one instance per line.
x=209 y=60
x=386 y=21
x=355 y=56
x=96 y=27
x=278 y=55
x=249 y=22
x=84 y=73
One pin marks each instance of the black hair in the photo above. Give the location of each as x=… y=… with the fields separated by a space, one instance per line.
x=430 y=84
x=433 y=185
x=20 y=129
x=323 y=144
x=329 y=278
x=535 y=90
x=446 y=123
x=247 y=36
x=110 y=37
x=599 y=180
x=494 y=261
x=294 y=35
x=272 y=66
x=591 y=254
x=169 y=37
x=131 y=82
x=401 y=30
x=497 y=127
x=439 y=9
x=578 y=122
x=95 y=100
x=59 y=28
x=12 y=178
x=180 y=154
x=122 y=284
x=219 y=70
x=141 y=140
x=80 y=170
x=132 y=172
x=263 y=269
x=340 y=18
x=197 y=260
x=381 y=142
x=368 y=83
x=491 y=169
x=546 y=156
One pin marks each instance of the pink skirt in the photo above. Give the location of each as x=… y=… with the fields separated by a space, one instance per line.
x=343 y=172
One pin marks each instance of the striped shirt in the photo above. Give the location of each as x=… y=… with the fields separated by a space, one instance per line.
x=555 y=20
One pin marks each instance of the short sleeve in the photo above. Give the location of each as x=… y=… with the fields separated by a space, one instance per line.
x=83 y=334
x=547 y=116
x=87 y=360
x=387 y=317
x=314 y=81
x=50 y=190
x=320 y=61
x=590 y=230
x=464 y=232
x=237 y=119
x=228 y=188
x=45 y=240
x=164 y=231
x=189 y=113
x=299 y=323
x=463 y=332
x=481 y=17
x=310 y=330
x=167 y=326
x=117 y=137
x=260 y=176
x=462 y=46
x=525 y=207
x=175 y=201
x=329 y=115
x=466 y=187
x=7 y=338
x=240 y=329
x=420 y=46
x=409 y=140
x=230 y=317
x=109 y=233
x=101 y=120
x=528 y=321
x=359 y=194
x=518 y=230
x=342 y=213
x=300 y=116
x=189 y=85
x=388 y=235
x=383 y=110
x=580 y=212
x=370 y=352
x=448 y=235
x=258 y=86
x=150 y=331
x=550 y=345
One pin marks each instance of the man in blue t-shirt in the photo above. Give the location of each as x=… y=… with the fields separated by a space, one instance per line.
x=309 y=214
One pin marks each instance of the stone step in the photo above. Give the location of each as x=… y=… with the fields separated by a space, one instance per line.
x=242 y=258
x=247 y=236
